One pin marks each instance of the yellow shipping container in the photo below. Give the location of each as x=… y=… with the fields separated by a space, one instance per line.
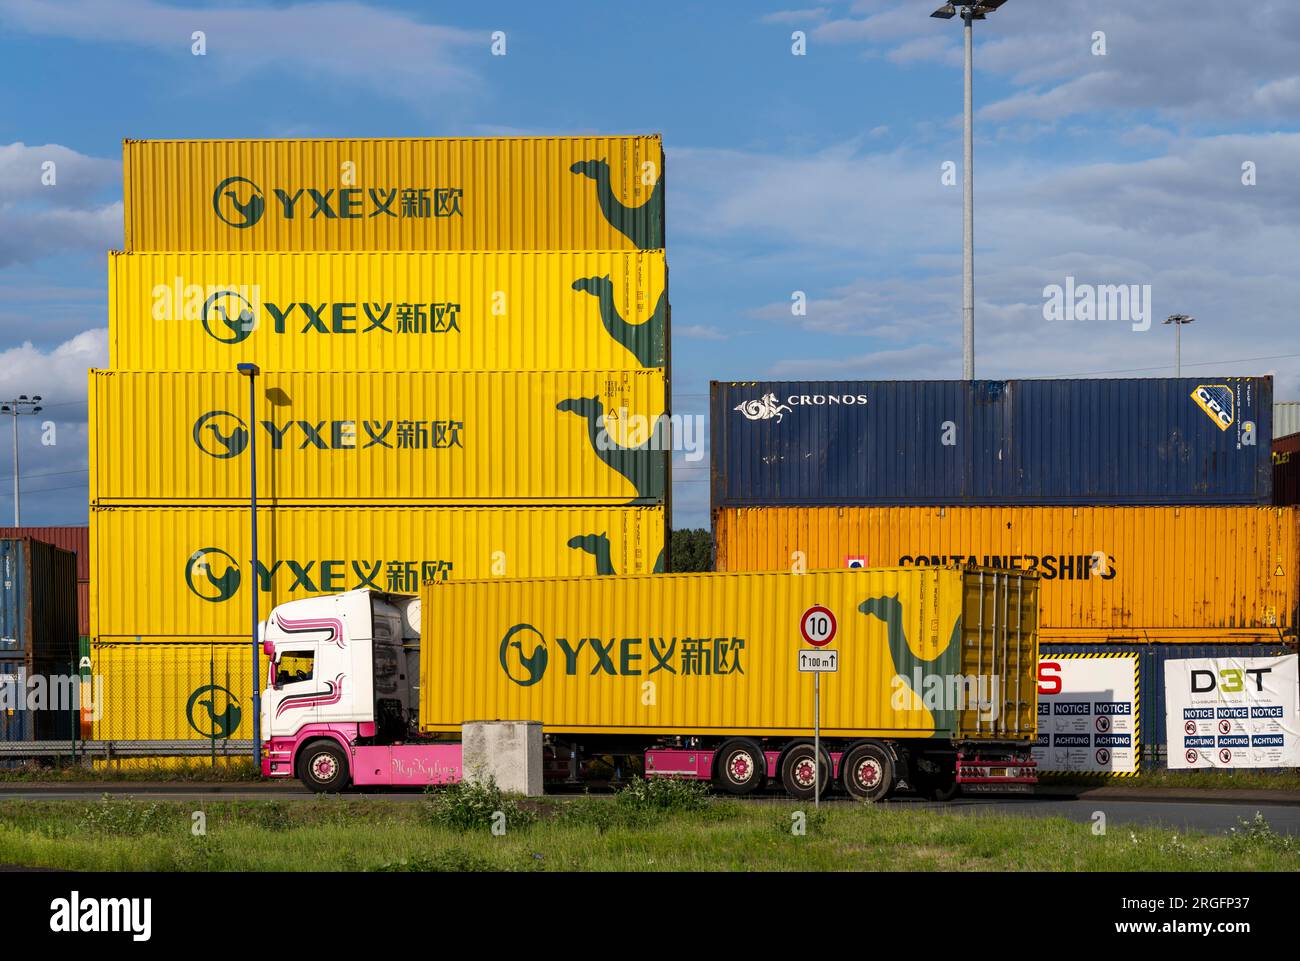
x=408 y=438
x=185 y=571
x=414 y=310
x=492 y=193
x=1109 y=573
x=178 y=690
x=717 y=654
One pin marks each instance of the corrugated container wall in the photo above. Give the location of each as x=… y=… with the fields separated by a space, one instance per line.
x=409 y=438
x=1153 y=735
x=1175 y=441
x=172 y=692
x=1286 y=418
x=38 y=605
x=721 y=651
x=1286 y=470
x=75 y=539
x=183 y=571
x=389 y=311
x=499 y=193
x=1170 y=573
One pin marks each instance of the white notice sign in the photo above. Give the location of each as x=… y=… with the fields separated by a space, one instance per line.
x=1233 y=712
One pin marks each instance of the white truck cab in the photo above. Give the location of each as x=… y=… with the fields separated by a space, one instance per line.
x=342 y=692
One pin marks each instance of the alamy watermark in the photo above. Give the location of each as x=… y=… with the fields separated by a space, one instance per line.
x=947 y=692
x=53 y=692
x=675 y=432
x=1130 y=303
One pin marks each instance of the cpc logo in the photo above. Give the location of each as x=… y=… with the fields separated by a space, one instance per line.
x=228 y=317
x=217 y=724
x=238 y=202
x=212 y=574
x=525 y=669
x=209 y=438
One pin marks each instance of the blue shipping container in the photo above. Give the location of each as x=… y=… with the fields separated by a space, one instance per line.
x=1017 y=442
x=38 y=603
x=1151 y=680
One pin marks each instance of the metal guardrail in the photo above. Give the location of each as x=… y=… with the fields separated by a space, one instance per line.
x=112 y=749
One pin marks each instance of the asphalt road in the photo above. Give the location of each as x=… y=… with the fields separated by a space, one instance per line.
x=1214 y=816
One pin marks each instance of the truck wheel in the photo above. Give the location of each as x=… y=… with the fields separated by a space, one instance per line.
x=323 y=767
x=868 y=772
x=798 y=774
x=739 y=767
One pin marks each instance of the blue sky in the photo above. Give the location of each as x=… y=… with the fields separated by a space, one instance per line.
x=819 y=173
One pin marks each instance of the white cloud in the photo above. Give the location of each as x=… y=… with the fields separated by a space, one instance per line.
x=1225 y=61
x=69 y=216
x=58 y=375
x=885 y=244
x=385 y=50
x=53 y=442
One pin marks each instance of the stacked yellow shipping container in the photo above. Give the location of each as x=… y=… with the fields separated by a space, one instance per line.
x=463 y=361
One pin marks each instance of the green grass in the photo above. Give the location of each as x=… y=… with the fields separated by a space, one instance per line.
x=1241 y=780
x=598 y=833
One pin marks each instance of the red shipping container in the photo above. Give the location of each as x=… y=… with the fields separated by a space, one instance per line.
x=1286 y=470
x=77 y=540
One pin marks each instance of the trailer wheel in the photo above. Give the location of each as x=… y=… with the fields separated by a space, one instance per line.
x=798 y=774
x=868 y=772
x=739 y=767
x=936 y=780
x=323 y=767
x=938 y=787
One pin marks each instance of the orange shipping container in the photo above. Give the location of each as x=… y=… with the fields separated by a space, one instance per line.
x=1108 y=573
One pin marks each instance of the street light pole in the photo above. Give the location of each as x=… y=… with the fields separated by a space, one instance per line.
x=15 y=407
x=970 y=12
x=968 y=211
x=251 y=371
x=1178 y=320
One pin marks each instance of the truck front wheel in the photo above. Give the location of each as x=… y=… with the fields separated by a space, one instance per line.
x=323 y=767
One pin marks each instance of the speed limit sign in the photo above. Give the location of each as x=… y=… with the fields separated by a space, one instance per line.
x=818 y=626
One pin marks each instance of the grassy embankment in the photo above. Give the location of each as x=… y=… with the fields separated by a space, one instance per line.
x=660 y=827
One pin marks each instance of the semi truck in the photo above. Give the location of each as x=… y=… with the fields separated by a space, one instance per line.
x=928 y=678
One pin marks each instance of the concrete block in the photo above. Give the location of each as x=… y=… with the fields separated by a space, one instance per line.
x=509 y=752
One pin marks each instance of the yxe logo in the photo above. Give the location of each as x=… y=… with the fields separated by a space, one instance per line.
x=212 y=574
x=238 y=202
x=223 y=435
x=209 y=437
x=214 y=724
x=1217 y=402
x=524 y=660
x=525 y=668
x=765 y=409
x=228 y=317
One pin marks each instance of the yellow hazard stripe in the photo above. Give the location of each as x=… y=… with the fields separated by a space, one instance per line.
x=1137 y=708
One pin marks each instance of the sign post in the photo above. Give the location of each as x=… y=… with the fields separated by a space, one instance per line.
x=818 y=627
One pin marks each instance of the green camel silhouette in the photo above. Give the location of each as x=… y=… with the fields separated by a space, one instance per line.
x=644 y=340
x=597 y=545
x=643 y=225
x=946 y=662
x=644 y=466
